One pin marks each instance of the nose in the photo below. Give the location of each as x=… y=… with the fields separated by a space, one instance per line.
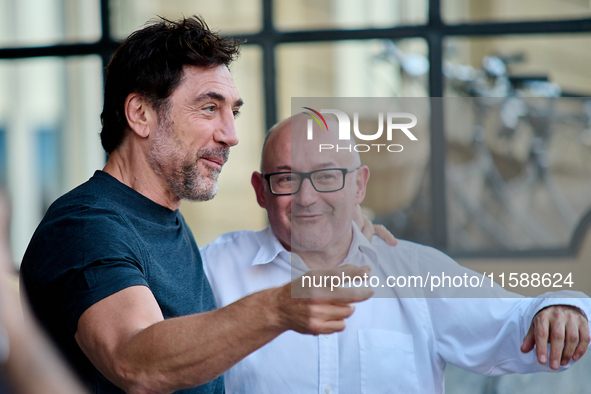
x=226 y=132
x=307 y=194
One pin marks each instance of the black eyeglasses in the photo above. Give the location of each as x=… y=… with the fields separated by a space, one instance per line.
x=324 y=181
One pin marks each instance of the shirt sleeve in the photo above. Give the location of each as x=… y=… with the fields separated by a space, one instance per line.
x=484 y=333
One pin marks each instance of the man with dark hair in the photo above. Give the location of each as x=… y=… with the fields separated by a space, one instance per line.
x=151 y=62
x=113 y=271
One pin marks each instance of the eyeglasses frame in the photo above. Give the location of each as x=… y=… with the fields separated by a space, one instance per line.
x=307 y=175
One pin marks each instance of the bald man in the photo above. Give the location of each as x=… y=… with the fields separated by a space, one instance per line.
x=394 y=344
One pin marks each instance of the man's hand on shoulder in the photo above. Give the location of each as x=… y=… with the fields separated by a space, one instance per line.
x=565 y=328
x=319 y=310
x=369 y=229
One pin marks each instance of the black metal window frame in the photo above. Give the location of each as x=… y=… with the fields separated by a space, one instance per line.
x=433 y=32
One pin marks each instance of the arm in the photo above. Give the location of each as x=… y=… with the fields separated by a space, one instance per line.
x=482 y=328
x=488 y=335
x=127 y=339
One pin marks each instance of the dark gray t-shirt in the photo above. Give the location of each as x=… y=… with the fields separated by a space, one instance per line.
x=98 y=239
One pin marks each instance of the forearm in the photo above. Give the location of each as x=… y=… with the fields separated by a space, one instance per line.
x=191 y=350
x=127 y=339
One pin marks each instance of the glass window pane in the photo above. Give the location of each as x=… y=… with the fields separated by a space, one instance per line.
x=49 y=121
x=557 y=58
x=522 y=161
x=226 y=16
x=517 y=171
x=347 y=14
x=42 y=23
x=463 y=11
x=369 y=68
x=235 y=206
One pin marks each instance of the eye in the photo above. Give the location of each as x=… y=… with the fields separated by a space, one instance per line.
x=236 y=113
x=211 y=109
x=326 y=176
x=285 y=178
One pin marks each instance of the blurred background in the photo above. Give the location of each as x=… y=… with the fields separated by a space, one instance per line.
x=509 y=189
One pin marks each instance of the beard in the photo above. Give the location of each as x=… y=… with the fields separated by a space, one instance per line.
x=181 y=170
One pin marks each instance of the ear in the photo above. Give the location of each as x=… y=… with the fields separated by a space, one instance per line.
x=140 y=115
x=259 y=187
x=361 y=178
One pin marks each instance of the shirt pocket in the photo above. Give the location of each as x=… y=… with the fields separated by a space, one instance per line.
x=387 y=362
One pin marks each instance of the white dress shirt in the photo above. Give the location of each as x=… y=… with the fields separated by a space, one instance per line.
x=390 y=345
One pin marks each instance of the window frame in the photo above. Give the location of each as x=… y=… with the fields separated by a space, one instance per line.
x=434 y=32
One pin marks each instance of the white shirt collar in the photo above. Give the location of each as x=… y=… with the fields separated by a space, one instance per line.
x=362 y=244
x=270 y=247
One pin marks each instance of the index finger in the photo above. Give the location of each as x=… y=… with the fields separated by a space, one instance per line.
x=541 y=339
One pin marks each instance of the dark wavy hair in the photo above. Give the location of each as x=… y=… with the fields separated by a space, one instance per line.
x=150 y=62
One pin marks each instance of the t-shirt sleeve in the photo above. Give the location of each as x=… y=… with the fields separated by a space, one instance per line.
x=79 y=260
x=96 y=281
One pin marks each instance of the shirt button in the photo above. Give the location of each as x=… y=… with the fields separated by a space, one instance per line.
x=327 y=336
x=327 y=389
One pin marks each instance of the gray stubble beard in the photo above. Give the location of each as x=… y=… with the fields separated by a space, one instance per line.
x=186 y=182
